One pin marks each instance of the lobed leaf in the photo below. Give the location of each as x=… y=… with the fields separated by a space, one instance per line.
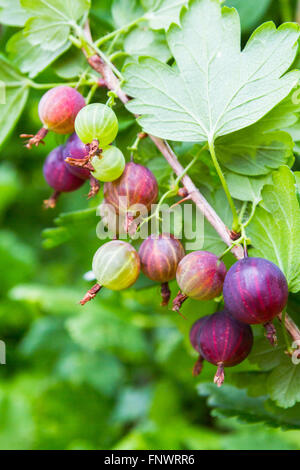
x=125 y=11
x=215 y=88
x=283 y=384
x=12 y=14
x=15 y=90
x=31 y=60
x=50 y=21
x=144 y=42
x=246 y=188
x=164 y=13
x=275 y=227
x=228 y=401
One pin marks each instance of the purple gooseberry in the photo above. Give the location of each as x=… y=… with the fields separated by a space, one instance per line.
x=194 y=339
x=58 y=109
x=224 y=342
x=136 y=187
x=200 y=276
x=160 y=255
x=255 y=292
x=76 y=154
x=58 y=176
x=77 y=150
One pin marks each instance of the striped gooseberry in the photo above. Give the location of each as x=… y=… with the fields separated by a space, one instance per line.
x=224 y=342
x=255 y=292
x=116 y=266
x=97 y=122
x=58 y=109
x=135 y=191
x=109 y=165
x=160 y=255
x=200 y=276
x=58 y=176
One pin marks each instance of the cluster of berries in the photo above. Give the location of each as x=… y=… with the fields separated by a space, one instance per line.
x=88 y=153
x=255 y=290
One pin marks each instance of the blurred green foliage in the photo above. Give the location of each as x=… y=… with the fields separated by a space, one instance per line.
x=116 y=374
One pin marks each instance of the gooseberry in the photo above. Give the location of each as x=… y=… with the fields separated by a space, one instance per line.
x=194 y=339
x=58 y=176
x=96 y=122
x=159 y=257
x=194 y=332
x=224 y=342
x=109 y=165
x=137 y=188
x=116 y=266
x=255 y=291
x=200 y=276
x=58 y=109
x=76 y=150
x=76 y=155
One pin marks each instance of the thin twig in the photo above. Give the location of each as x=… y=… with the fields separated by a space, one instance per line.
x=291 y=327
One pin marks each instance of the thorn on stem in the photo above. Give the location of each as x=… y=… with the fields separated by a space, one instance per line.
x=234 y=235
x=142 y=135
x=182 y=192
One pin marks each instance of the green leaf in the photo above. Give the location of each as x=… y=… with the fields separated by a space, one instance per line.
x=275 y=228
x=265 y=355
x=100 y=328
x=193 y=102
x=18 y=256
x=297 y=176
x=16 y=90
x=227 y=401
x=284 y=384
x=11 y=13
x=144 y=42
x=67 y=226
x=102 y=371
x=9 y=185
x=262 y=147
x=246 y=188
x=164 y=13
x=250 y=12
x=31 y=60
x=294 y=132
x=54 y=237
x=133 y=404
x=60 y=301
x=254 y=152
x=125 y=11
x=50 y=21
x=70 y=65
x=253 y=381
x=230 y=401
